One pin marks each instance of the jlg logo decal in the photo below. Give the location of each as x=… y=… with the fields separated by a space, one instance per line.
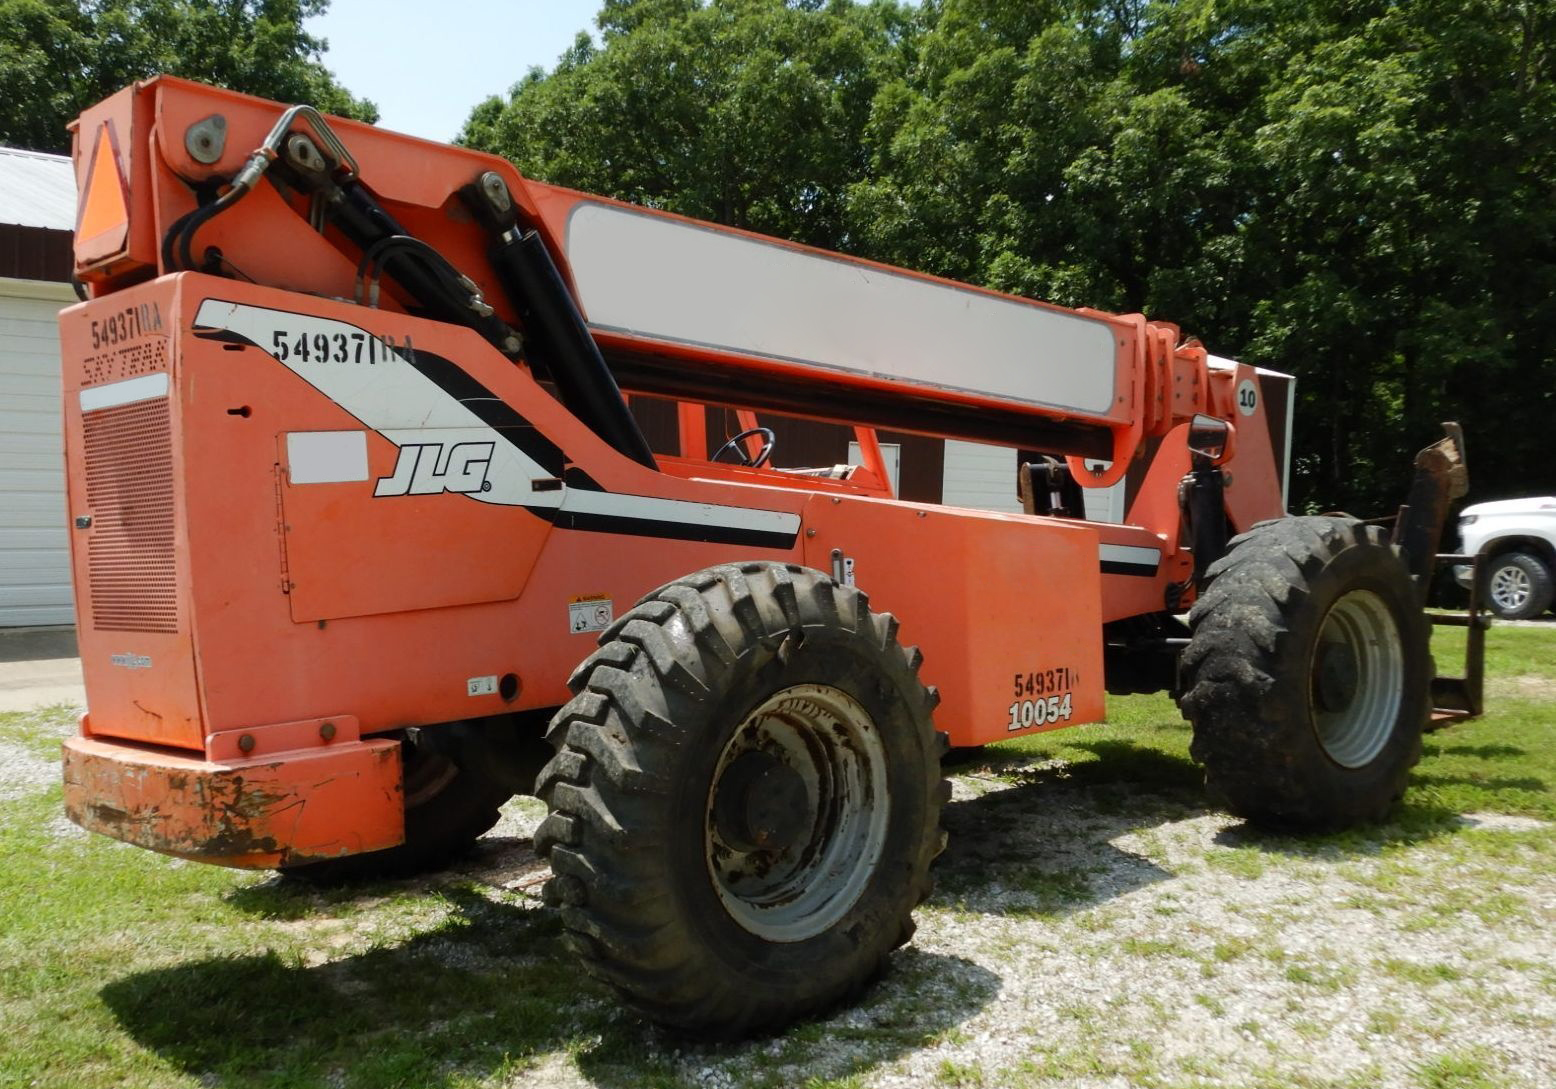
x=433 y=468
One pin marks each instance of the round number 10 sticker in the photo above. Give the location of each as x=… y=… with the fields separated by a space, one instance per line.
x=1247 y=397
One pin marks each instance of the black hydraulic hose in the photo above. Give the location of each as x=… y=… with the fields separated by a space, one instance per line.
x=180 y=236
x=376 y=256
x=428 y=277
x=170 y=240
x=584 y=383
x=199 y=218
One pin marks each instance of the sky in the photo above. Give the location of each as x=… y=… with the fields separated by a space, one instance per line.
x=427 y=64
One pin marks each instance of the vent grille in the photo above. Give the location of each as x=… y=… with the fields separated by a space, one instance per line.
x=129 y=491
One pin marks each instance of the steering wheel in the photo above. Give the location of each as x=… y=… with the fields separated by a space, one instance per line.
x=737 y=447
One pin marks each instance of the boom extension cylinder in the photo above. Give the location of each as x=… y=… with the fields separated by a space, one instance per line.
x=583 y=380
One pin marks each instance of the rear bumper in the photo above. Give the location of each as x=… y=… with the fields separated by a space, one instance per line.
x=282 y=809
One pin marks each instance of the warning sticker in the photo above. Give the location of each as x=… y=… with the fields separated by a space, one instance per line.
x=592 y=612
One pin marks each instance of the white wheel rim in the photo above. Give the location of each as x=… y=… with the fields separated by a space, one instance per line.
x=800 y=890
x=1510 y=587
x=1357 y=679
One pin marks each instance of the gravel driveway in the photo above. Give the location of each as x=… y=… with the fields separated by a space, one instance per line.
x=1095 y=934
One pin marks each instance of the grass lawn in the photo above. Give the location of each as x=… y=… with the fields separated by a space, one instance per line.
x=1090 y=847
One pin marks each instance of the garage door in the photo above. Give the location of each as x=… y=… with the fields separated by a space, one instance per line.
x=980 y=476
x=34 y=542
x=985 y=477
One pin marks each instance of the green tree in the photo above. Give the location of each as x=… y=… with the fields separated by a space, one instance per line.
x=745 y=112
x=60 y=56
x=1407 y=241
x=1354 y=191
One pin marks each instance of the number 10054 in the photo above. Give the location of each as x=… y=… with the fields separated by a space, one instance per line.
x=1039 y=712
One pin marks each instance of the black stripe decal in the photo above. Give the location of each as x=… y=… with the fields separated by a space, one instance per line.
x=674 y=531
x=490 y=408
x=1118 y=567
x=1121 y=559
x=226 y=336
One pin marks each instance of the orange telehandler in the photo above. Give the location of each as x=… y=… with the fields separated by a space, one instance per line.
x=367 y=539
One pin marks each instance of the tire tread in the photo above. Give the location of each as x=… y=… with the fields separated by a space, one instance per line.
x=617 y=732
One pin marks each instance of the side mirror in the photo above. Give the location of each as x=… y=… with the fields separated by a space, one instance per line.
x=1210 y=438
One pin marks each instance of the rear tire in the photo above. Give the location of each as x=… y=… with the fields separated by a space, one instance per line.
x=452 y=798
x=1308 y=677
x=745 y=799
x=1519 y=586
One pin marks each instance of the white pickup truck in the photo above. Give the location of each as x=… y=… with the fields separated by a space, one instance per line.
x=1516 y=539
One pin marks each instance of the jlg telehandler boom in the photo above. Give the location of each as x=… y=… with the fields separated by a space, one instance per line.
x=355 y=490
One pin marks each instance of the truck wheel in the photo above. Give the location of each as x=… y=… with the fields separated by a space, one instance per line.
x=1518 y=586
x=1308 y=677
x=745 y=799
x=451 y=800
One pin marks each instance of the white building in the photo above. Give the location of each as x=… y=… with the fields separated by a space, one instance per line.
x=37 y=216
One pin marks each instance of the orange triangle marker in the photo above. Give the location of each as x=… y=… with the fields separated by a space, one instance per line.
x=103 y=206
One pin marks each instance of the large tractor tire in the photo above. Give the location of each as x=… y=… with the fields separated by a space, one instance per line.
x=745 y=799
x=1308 y=676
x=452 y=797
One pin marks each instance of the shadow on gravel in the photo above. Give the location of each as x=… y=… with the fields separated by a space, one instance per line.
x=487 y=993
x=1038 y=841
x=503 y=862
x=1411 y=822
x=1417 y=819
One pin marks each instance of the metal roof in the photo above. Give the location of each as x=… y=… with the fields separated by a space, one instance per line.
x=37 y=189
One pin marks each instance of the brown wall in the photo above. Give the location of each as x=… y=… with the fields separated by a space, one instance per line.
x=801 y=443
x=35 y=253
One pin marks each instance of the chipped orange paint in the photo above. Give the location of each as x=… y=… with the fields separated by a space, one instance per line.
x=283 y=809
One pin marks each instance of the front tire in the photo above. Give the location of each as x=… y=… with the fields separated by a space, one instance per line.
x=1307 y=678
x=745 y=799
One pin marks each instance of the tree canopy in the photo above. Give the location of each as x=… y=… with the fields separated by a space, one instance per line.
x=59 y=56
x=1355 y=191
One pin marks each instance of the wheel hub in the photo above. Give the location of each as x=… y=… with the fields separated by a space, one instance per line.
x=797 y=813
x=1510 y=588
x=759 y=803
x=1357 y=679
x=1336 y=676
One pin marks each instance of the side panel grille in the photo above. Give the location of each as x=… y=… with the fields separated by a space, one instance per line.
x=129 y=491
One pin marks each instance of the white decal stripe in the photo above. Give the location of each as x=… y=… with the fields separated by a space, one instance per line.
x=388 y=394
x=146 y=387
x=1131 y=555
x=679 y=511
x=406 y=407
